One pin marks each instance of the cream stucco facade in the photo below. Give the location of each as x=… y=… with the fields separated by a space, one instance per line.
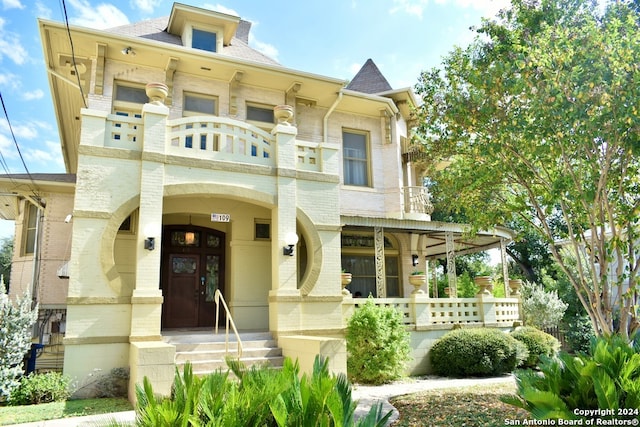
x=199 y=188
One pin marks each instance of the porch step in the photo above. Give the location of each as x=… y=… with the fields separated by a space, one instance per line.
x=206 y=350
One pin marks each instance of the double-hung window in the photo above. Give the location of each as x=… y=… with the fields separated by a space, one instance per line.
x=195 y=105
x=355 y=154
x=30 y=227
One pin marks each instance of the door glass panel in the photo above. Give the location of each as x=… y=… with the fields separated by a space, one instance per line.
x=213 y=267
x=183 y=265
x=213 y=241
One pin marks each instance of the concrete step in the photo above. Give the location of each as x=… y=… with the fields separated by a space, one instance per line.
x=206 y=350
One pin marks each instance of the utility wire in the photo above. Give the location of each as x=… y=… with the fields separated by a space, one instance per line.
x=73 y=54
x=4 y=164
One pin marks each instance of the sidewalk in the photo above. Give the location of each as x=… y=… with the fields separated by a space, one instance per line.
x=365 y=395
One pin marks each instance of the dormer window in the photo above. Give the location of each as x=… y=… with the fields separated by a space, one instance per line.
x=204 y=40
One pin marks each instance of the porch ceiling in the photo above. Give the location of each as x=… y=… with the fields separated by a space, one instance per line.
x=434 y=233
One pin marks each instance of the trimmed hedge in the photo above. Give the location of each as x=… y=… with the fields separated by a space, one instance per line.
x=40 y=388
x=538 y=343
x=476 y=352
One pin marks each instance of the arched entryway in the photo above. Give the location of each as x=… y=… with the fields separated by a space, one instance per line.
x=192 y=270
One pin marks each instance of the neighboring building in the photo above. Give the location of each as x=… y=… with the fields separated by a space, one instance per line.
x=204 y=188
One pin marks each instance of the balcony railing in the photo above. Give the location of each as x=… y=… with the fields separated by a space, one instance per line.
x=417 y=200
x=434 y=313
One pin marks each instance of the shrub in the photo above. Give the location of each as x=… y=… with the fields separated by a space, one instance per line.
x=608 y=378
x=538 y=343
x=15 y=339
x=542 y=309
x=40 y=388
x=579 y=333
x=378 y=346
x=475 y=352
x=260 y=397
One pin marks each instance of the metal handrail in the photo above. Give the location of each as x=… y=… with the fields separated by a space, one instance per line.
x=229 y=321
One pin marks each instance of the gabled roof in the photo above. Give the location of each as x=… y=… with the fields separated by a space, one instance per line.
x=369 y=79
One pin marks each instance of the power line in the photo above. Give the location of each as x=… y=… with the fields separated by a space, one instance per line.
x=15 y=141
x=73 y=54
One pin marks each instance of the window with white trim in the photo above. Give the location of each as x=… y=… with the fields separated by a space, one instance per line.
x=355 y=157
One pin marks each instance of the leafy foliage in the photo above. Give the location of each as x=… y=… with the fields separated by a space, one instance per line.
x=261 y=396
x=6 y=255
x=475 y=352
x=608 y=378
x=579 y=333
x=538 y=344
x=40 y=388
x=15 y=339
x=539 y=122
x=542 y=309
x=378 y=346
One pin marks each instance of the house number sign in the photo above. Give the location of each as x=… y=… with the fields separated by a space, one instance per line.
x=216 y=217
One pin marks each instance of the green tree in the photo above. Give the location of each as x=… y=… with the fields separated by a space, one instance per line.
x=539 y=119
x=6 y=254
x=16 y=321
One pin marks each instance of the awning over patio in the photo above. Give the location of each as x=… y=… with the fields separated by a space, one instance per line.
x=433 y=234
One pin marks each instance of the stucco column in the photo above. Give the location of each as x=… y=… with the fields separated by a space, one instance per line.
x=284 y=267
x=149 y=356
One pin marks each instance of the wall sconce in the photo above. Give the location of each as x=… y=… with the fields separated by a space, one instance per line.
x=414 y=259
x=290 y=241
x=128 y=51
x=150 y=243
x=189 y=237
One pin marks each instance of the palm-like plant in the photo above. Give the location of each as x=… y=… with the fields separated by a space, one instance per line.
x=607 y=378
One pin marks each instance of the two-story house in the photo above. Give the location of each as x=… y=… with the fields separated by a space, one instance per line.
x=198 y=168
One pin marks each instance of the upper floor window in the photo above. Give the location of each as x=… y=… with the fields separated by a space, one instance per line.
x=204 y=40
x=199 y=104
x=29 y=230
x=355 y=154
x=260 y=113
x=136 y=95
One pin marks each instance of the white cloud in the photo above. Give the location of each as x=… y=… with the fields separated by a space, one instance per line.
x=265 y=48
x=12 y=4
x=146 y=6
x=21 y=131
x=43 y=11
x=354 y=68
x=417 y=7
x=50 y=154
x=220 y=8
x=34 y=94
x=10 y=80
x=10 y=46
x=100 y=17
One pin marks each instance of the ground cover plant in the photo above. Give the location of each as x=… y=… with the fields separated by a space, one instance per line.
x=455 y=407
x=62 y=409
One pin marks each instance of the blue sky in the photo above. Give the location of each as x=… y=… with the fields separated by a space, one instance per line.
x=327 y=37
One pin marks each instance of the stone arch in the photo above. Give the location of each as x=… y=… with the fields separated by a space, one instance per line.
x=314 y=255
x=108 y=241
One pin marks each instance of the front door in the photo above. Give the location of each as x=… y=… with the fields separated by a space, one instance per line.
x=193 y=269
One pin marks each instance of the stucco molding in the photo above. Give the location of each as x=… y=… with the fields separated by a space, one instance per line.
x=314 y=252
x=110 y=153
x=96 y=340
x=98 y=300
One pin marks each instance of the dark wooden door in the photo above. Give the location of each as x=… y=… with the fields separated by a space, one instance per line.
x=193 y=271
x=182 y=293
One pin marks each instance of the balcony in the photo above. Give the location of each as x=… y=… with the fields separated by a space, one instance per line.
x=216 y=139
x=417 y=203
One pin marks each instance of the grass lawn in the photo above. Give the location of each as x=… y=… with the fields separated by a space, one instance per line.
x=70 y=408
x=468 y=407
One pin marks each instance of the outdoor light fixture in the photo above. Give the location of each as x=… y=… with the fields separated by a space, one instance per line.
x=150 y=243
x=189 y=237
x=128 y=51
x=290 y=241
x=414 y=259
